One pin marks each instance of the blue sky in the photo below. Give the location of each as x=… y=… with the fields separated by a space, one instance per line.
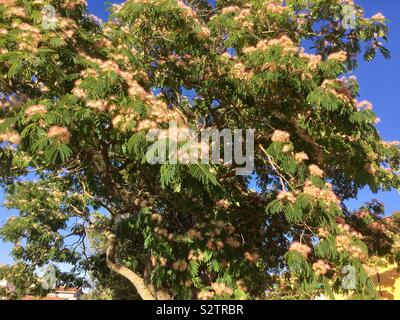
x=379 y=84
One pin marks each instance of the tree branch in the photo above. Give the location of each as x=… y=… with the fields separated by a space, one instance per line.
x=136 y=280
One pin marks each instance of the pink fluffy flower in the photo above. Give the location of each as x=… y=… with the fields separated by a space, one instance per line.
x=60 y=133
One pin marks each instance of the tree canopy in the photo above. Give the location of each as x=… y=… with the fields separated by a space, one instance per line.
x=78 y=97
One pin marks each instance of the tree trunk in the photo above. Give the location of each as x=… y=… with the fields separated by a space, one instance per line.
x=136 y=280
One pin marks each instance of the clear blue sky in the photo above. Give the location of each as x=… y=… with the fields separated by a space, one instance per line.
x=379 y=84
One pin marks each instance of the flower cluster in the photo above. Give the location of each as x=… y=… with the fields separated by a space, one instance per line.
x=252 y=256
x=158 y=260
x=35 y=109
x=72 y=4
x=60 y=133
x=195 y=256
x=284 y=42
x=221 y=289
x=364 y=105
x=326 y=195
x=275 y=8
x=232 y=242
x=158 y=113
x=230 y=9
x=338 y=89
x=99 y=105
x=316 y=171
x=301 y=248
x=180 y=265
x=241 y=15
x=346 y=229
x=370 y=168
x=301 y=156
x=11 y=137
x=12 y=10
x=217 y=289
x=344 y=244
x=240 y=72
x=321 y=267
x=378 y=17
x=206 y=295
x=286 y=195
x=313 y=60
x=188 y=12
x=156 y=217
x=340 y=56
x=223 y=204
x=280 y=136
x=28 y=37
x=323 y=233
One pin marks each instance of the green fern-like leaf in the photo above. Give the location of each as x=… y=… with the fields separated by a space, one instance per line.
x=202 y=173
x=167 y=174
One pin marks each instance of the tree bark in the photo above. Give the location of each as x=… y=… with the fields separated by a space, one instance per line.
x=158 y=293
x=135 y=279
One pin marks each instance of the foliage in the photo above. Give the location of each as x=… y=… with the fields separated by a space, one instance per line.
x=77 y=100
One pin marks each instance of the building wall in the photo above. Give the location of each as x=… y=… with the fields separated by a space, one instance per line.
x=387 y=281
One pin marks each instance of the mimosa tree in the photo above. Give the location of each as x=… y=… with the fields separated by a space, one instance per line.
x=78 y=97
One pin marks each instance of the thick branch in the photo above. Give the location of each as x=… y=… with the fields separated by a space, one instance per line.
x=136 y=280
